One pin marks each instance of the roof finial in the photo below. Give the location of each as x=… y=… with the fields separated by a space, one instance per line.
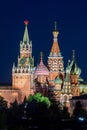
x=41 y=55
x=68 y=62
x=26 y=22
x=73 y=54
x=55 y=26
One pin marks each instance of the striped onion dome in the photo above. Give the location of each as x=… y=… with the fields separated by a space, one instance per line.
x=41 y=69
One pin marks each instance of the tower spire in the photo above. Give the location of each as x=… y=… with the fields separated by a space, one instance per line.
x=73 y=55
x=55 y=47
x=41 y=56
x=55 y=26
x=26 y=36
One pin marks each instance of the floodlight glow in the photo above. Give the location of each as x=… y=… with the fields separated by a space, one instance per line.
x=81 y=119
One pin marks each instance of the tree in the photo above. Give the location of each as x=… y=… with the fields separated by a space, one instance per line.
x=39 y=98
x=14 y=104
x=14 y=120
x=79 y=110
x=3 y=113
x=38 y=105
x=65 y=113
x=38 y=109
x=3 y=103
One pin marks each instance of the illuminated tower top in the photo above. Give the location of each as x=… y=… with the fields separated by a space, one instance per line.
x=26 y=35
x=55 y=47
x=26 y=44
x=25 y=58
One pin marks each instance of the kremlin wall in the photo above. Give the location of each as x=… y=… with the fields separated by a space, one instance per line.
x=52 y=80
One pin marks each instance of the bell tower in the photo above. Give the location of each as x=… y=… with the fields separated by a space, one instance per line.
x=22 y=75
x=55 y=59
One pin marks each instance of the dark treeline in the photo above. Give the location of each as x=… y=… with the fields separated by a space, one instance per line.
x=39 y=112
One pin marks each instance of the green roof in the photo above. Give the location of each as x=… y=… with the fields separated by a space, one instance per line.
x=26 y=36
x=58 y=80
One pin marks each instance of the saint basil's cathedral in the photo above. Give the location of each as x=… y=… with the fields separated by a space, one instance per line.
x=51 y=80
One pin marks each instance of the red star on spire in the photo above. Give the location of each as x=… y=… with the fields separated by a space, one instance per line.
x=26 y=22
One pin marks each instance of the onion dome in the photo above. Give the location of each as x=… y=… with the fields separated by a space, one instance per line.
x=41 y=69
x=74 y=69
x=58 y=80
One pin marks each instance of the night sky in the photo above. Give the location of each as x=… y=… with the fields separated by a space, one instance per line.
x=71 y=17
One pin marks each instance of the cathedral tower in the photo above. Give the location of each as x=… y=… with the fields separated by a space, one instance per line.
x=75 y=76
x=22 y=75
x=75 y=71
x=55 y=59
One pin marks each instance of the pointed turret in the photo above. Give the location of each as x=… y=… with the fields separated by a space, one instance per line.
x=26 y=35
x=68 y=68
x=74 y=68
x=13 y=68
x=73 y=55
x=75 y=72
x=41 y=57
x=55 y=47
x=26 y=44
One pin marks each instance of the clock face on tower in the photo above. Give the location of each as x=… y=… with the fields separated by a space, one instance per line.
x=23 y=61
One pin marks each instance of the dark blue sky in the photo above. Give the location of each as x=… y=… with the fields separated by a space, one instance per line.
x=71 y=16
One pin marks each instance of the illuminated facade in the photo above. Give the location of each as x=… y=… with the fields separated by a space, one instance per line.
x=55 y=59
x=51 y=80
x=22 y=75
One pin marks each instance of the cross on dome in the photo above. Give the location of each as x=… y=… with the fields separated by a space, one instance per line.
x=55 y=26
x=41 y=55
